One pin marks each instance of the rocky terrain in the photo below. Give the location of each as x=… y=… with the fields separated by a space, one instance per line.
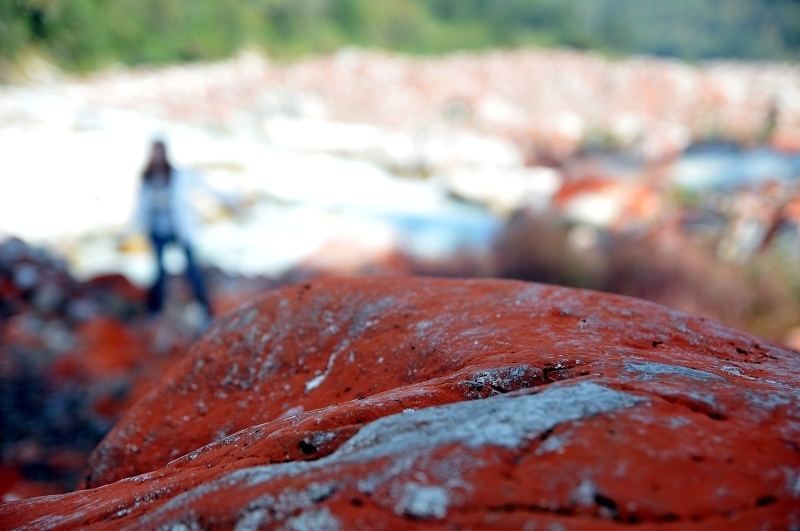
x=556 y=166
x=432 y=404
x=364 y=161
x=549 y=102
x=74 y=356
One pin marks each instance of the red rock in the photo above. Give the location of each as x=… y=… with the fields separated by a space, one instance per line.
x=118 y=285
x=68 y=368
x=787 y=141
x=8 y=290
x=8 y=477
x=430 y=404
x=23 y=331
x=108 y=347
x=21 y=489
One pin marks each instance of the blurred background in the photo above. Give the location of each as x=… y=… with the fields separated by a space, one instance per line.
x=645 y=148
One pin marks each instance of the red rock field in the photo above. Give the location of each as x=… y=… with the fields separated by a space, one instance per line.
x=402 y=403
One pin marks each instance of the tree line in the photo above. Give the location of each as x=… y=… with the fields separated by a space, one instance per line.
x=82 y=35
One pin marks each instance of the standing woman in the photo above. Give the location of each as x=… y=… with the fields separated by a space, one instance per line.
x=165 y=215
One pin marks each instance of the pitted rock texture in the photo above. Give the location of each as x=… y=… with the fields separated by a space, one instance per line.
x=386 y=403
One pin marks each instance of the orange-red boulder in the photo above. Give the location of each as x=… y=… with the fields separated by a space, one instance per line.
x=396 y=403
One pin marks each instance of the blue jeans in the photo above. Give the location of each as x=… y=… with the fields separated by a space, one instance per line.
x=155 y=299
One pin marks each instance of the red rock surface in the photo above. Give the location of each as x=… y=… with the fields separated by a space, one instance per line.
x=423 y=403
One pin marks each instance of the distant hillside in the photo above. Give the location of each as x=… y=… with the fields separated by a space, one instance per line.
x=86 y=34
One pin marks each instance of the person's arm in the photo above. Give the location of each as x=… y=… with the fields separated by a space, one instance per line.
x=230 y=200
x=136 y=230
x=139 y=222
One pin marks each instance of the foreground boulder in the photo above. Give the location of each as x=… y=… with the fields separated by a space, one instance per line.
x=445 y=404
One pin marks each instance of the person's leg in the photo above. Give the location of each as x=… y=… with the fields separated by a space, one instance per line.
x=196 y=279
x=155 y=298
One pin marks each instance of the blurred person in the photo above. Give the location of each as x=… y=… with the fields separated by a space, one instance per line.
x=165 y=215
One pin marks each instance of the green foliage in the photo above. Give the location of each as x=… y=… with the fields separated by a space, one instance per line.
x=13 y=30
x=85 y=34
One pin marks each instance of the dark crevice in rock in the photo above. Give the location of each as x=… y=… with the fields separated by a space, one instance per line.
x=607 y=505
x=562 y=370
x=607 y=511
x=557 y=375
x=607 y=508
x=307 y=448
x=766 y=500
x=567 y=511
x=693 y=405
x=545 y=435
x=502 y=380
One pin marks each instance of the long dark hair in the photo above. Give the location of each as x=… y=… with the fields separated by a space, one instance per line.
x=153 y=167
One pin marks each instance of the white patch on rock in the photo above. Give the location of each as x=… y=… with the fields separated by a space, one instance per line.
x=268 y=509
x=772 y=400
x=422 y=501
x=291 y=412
x=499 y=421
x=793 y=482
x=252 y=520
x=678 y=422
x=735 y=371
x=554 y=443
x=316 y=381
x=584 y=494
x=502 y=421
x=313 y=520
x=178 y=526
x=650 y=369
